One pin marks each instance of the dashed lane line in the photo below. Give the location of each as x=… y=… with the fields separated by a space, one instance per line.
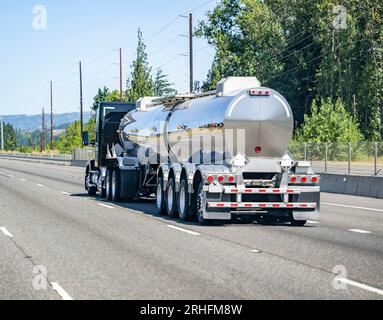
x=6 y=232
x=62 y=293
x=184 y=230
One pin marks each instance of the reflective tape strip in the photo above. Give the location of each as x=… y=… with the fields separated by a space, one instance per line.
x=231 y=190
x=262 y=205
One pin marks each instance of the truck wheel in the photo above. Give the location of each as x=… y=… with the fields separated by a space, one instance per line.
x=183 y=206
x=160 y=200
x=296 y=223
x=92 y=191
x=201 y=206
x=108 y=185
x=116 y=186
x=171 y=200
x=102 y=191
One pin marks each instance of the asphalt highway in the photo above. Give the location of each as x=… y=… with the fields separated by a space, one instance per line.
x=58 y=243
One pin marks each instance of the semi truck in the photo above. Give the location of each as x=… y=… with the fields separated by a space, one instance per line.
x=211 y=156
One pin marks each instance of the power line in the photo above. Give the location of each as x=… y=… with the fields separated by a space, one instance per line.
x=297 y=67
x=163 y=47
x=99 y=59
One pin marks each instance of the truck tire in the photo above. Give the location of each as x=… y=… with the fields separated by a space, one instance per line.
x=92 y=191
x=116 y=185
x=297 y=223
x=108 y=185
x=201 y=206
x=171 y=199
x=183 y=205
x=160 y=197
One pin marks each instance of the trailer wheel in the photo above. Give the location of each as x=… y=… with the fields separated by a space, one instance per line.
x=116 y=186
x=201 y=206
x=108 y=185
x=183 y=205
x=171 y=200
x=160 y=200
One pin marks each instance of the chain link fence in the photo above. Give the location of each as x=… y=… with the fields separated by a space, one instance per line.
x=358 y=158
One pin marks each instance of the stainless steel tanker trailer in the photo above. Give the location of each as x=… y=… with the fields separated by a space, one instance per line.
x=210 y=156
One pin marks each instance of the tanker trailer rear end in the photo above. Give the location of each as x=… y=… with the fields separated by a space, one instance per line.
x=217 y=155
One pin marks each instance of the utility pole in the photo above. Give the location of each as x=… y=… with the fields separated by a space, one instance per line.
x=191 y=52
x=43 y=131
x=2 y=133
x=51 y=87
x=121 y=95
x=81 y=108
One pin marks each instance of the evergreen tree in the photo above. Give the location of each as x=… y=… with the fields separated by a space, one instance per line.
x=101 y=96
x=10 y=140
x=140 y=83
x=162 y=87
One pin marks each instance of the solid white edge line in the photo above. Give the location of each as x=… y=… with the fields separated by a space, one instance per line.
x=362 y=286
x=360 y=231
x=65 y=193
x=351 y=207
x=105 y=206
x=6 y=232
x=62 y=293
x=184 y=230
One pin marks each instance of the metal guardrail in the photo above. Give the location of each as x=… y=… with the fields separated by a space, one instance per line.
x=57 y=157
x=77 y=154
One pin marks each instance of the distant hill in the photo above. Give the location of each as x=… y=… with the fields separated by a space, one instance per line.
x=31 y=123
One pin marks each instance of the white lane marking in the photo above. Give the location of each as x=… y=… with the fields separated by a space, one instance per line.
x=23 y=180
x=255 y=251
x=184 y=230
x=313 y=222
x=351 y=207
x=362 y=286
x=105 y=206
x=62 y=293
x=11 y=176
x=360 y=231
x=40 y=185
x=65 y=193
x=6 y=232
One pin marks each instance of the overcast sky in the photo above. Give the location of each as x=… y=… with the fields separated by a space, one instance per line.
x=90 y=31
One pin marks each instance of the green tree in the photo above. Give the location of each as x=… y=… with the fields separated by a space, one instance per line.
x=162 y=86
x=330 y=122
x=140 y=83
x=10 y=141
x=302 y=49
x=101 y=96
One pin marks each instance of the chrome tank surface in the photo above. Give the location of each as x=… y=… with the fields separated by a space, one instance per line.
x=253 y=126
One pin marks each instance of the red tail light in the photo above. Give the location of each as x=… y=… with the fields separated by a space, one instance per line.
x=210 y=179
x=231 y=179
x=293 y=179
x=221 y=179
x=258 y=150
x=304 y=179
x=314 y=179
